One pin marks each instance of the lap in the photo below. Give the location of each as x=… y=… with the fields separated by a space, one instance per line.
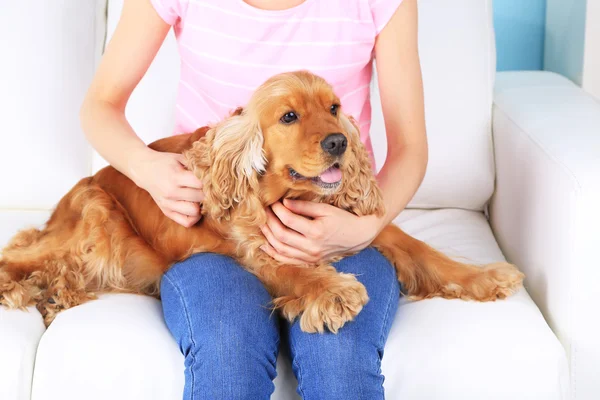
x=347 y=364
x=377 y=274
x=217 y=285
x=212 y=293
x=219 y=291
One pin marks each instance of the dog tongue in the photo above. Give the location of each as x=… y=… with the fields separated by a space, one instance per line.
x=332 y=175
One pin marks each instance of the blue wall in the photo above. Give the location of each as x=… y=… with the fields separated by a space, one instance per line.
x=520 y=26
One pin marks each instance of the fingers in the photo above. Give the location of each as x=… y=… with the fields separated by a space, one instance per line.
x=183 y=212
x=307 y=208
x=187 y=194
x=180 y=207
x=279 y=257
x=185 y=177
x=283 y=234
x=184 y=220
x=294 y=221
x=180 y=158
x=285 y=251
x=188 y=179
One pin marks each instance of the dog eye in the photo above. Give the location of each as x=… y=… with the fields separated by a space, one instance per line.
x=289 y=118
x=334 y=109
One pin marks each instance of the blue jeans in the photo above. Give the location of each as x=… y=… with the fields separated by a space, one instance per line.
x=219 y=314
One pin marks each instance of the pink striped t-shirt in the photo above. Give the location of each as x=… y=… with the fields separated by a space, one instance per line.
x=228 y=48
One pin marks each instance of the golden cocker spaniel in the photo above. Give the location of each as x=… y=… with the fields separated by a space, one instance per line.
x=291 y=141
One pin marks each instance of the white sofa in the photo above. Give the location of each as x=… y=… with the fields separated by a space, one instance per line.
x=514 y=172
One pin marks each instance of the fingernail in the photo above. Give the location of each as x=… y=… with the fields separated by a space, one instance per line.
x=263 y=248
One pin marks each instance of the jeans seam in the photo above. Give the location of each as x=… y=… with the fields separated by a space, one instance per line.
x=385 y=321
x=295 y=363
x=387 y=312
x=189 y=324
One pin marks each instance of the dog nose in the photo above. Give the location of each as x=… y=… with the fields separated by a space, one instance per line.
x=335 y=144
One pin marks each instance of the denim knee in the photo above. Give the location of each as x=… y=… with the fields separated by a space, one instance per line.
x=346 y=365
x=341 y=368
x=208 y=289
x=217 y=312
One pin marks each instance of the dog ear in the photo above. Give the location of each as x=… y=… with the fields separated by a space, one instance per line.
x=359 y=193
x=228 y=161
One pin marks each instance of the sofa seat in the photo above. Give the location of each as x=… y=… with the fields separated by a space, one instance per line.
x=118 y=347
x=20 y=332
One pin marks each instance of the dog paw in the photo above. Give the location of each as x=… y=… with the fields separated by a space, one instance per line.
x=49 y=309
x=492 y=282
x=17 y=294
x=334 y=305
x=55 y=300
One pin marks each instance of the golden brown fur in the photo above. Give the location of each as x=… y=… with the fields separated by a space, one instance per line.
x=108 y=235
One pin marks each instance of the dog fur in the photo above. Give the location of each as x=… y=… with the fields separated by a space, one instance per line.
x=108 y=235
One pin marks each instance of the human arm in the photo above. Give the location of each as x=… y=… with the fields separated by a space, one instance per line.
x=136 y=40
x=296 y=239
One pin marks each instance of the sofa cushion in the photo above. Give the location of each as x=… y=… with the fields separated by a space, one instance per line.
x=117 y=347
x=458 y=61
x=452 y=349
x=437 y=348
x=20 y=332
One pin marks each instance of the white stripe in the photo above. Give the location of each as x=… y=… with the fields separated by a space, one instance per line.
x=358 y=89
x=188 y=116
x=286 y=20
x=235 y=85
x=191 y=89
x=239 y=86
x=276 y=66
x=376 y=3
x=275 y=43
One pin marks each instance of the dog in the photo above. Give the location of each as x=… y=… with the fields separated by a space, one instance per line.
x=292 y=140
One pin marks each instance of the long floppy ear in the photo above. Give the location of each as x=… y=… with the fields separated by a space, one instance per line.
x=359 y=193
x=227 y=161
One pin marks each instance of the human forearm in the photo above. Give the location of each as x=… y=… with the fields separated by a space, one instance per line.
x=402 y=100
x=108 y=131
x=400 y=178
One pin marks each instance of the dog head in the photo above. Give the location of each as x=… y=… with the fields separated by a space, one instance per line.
x=291 y=140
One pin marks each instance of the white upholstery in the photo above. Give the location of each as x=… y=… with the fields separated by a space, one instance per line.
x=49 y=51
x=458 y=61
x=20 y=332
x=115 y=348
x=466 y=348
x=457 y=350
x=45 y=73
x=543 y=211
x=546 y=210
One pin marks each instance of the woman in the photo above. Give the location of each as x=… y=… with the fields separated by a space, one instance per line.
x=228 y=336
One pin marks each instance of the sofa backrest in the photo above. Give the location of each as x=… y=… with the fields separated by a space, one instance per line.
x=49 y=62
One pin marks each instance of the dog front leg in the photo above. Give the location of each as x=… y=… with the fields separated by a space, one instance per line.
x=319 y=296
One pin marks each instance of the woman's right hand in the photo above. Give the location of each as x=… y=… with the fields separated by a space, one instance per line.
x=134 y=44
x=176 y=190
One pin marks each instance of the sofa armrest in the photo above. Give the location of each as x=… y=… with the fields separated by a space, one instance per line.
x=545 y=212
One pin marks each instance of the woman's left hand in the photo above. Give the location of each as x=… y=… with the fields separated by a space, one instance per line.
x=301 y=232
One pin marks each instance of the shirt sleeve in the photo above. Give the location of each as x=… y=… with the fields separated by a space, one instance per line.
x=382 y=11
x=168 y=10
